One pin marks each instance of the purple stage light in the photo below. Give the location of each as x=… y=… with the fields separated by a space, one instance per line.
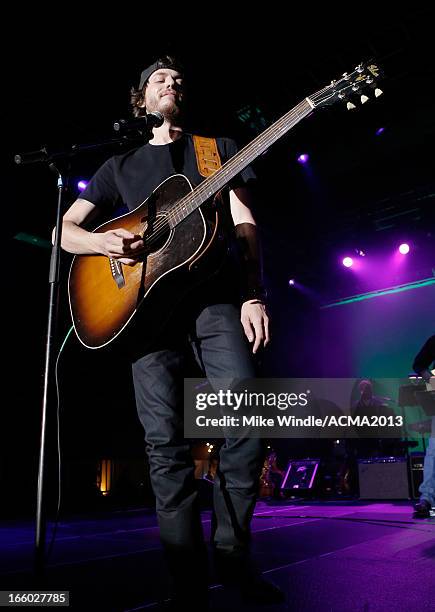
x=304 y=158
x=81 y=185
x=347 y=262
x=379 y=131
x=404 y=248
x=291 y=282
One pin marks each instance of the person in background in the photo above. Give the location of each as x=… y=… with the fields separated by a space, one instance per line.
x=424 y=362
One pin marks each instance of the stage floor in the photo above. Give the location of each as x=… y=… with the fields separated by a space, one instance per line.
x=327 y=556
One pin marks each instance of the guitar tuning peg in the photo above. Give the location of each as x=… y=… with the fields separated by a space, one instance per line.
x=378 y=92
x=364 y=99
x=350 y=106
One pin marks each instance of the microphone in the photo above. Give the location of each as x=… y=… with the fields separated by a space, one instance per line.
x=32 y=157
x=147 y=122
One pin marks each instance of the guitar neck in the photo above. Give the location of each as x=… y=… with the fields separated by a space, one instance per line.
x=236 y=164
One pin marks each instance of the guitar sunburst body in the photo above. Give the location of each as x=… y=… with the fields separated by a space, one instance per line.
x=105 y=295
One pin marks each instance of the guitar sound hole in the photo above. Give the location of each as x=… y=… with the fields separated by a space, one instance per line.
x=157 y=234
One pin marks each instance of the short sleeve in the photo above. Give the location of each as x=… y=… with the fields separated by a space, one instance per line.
x=102 y=190
x=247 y=176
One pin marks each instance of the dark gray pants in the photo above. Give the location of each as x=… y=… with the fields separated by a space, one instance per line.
x=217 y=340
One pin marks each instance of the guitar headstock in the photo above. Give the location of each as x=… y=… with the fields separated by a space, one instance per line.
x=345 y=89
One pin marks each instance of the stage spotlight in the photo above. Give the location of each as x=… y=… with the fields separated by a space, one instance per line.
x=404 y=248
x=81 y=185
x=303 y=158
x=379 y=131
x=291 y=282
x=347 y=262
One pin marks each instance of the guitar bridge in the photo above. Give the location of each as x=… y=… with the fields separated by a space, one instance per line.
x=117 y=273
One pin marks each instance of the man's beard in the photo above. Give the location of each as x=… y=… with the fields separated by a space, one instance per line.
x=170 y=110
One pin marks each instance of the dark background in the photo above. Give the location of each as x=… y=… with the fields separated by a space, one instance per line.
x=68 y=82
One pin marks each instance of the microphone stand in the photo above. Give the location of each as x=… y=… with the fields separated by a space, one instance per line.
x=56 y=161
x=53 y=305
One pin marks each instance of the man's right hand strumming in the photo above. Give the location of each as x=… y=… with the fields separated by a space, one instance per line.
x=120 y=244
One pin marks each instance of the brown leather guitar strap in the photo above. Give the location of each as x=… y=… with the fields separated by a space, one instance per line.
x=207 y=155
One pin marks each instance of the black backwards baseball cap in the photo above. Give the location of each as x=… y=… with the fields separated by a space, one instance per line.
x=164 y=62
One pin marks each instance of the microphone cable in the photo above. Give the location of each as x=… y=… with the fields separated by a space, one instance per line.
x=59 y=497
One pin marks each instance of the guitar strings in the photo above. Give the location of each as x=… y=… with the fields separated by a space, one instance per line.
x=268 y=137
x=258 y=140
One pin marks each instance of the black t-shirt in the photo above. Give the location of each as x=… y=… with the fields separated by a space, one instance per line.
x=128 y=179
x=124 y=181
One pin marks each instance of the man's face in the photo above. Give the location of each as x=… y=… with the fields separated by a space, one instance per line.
x=164 y=92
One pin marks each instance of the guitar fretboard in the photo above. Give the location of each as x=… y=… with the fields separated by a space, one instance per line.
x=236 y=164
